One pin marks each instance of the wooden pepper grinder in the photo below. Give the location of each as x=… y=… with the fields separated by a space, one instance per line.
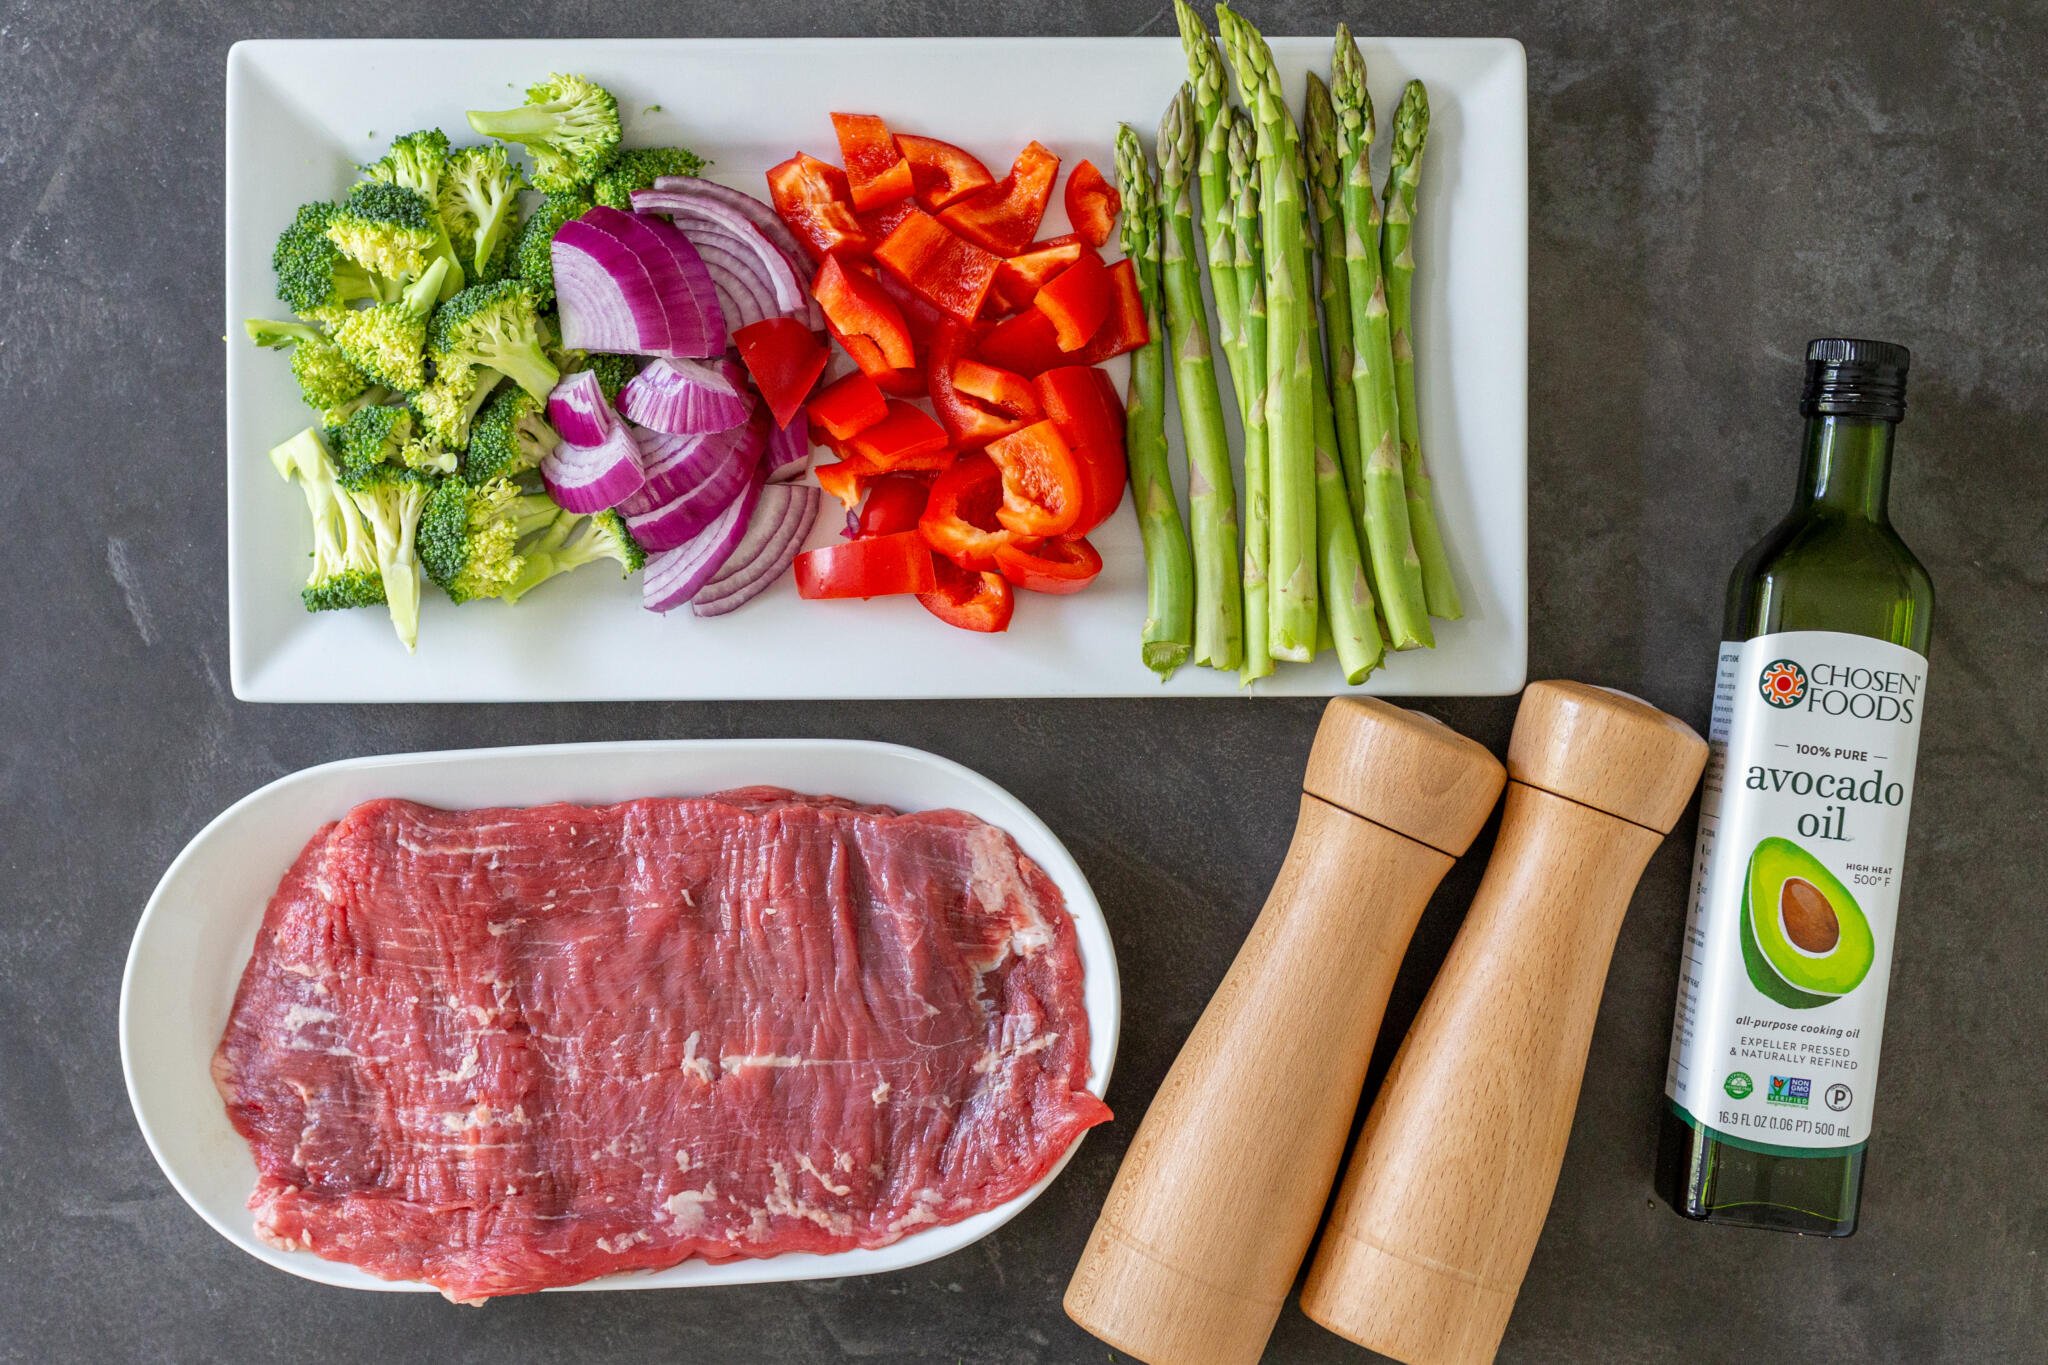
x=1216 y=1203
x=1446 y=1194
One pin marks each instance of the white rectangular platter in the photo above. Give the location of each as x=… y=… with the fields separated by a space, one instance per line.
x=302 y=114
x=200 y=925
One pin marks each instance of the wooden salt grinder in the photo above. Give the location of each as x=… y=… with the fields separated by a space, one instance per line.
x=1446 y=1194
x=1213 y=1210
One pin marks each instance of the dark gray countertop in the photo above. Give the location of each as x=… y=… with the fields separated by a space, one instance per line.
x=1710 y=186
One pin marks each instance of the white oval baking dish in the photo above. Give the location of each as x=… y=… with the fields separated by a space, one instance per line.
x=199 y=927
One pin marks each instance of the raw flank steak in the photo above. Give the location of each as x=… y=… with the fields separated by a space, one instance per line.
x=502 y=1050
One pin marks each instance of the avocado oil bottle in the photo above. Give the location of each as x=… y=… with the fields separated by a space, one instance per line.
x=1818 y=703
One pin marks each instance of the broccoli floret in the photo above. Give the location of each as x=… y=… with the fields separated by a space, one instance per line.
x=387 y=229
x=416 y=161
x=569 y=542
x=344 y=560
x=508 y=438
x=447 y=407
x=494 y=325
x=420 y=162
x=390 y=497
x=469 y=536
x=373 y=436
x=479 y=201
x=637 y=170
x=568 y=125
x=387 y=341
x=533 y=261
x=333 y=418
x=501 y=266
x=313 y=276
x=326 y=379
x=425 y=455
x=612 y=372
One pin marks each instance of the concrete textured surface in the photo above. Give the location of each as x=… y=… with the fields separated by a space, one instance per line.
x=1711 y=183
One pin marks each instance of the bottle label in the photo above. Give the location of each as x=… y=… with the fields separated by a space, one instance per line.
x=1802 y=839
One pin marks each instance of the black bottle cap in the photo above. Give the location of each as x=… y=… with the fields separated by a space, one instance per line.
x=1846 y=377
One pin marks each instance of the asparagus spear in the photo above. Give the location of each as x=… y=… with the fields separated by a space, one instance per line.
x=1169 y=576
x=1319 y=142
x=1290 y=411
x=1397 y=247
x=1250 y=273
x=1212 y=492
x=1347 y=607
x=1219 y=207
x=1397 y=570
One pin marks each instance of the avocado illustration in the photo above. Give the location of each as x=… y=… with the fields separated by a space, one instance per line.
x=1805 y=940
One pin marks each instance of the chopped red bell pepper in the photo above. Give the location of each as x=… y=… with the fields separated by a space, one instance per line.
x=1044 y=489
x=907 y=382
x=1077 y=300
x=875 y=168
x=920 y=314
x=847 y=479
x=1083 y=403
x=1003 y=390
x=1024 y=344
x=855 y=306
x=967 y=421
x=878 y=223
x=813 y=199
x=895 y=502
x=959 y=519
x=905 y=439
x=972 y=601
x=1024 y=274
x=940 y=265
x=1092 y=204
x=1064 y=565
x=940 y=171
x=1004 y=216
x=1125 y=329
x=879 y=567
x=848 y=405
x=785 y=358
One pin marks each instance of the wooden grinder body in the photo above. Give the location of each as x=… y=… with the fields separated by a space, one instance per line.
x=1445 y=1197
x=1218 y=1198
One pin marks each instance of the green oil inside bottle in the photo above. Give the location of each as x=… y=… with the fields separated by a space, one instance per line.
x=1833 y=563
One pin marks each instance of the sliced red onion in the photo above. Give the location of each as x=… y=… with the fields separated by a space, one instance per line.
x=692 y=484
x=705 y=220
x=755 y=212
x=787 y=511
x=694 y=278
x=789 y=453
x=593 y=478
x=676 y=464
x=688 y=397
x=743 y=295
x=762 y=217
x=608 y=298
x=673 y=577
x=578 y=412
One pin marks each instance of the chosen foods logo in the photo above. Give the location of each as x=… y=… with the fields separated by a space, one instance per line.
x=1783 y=683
